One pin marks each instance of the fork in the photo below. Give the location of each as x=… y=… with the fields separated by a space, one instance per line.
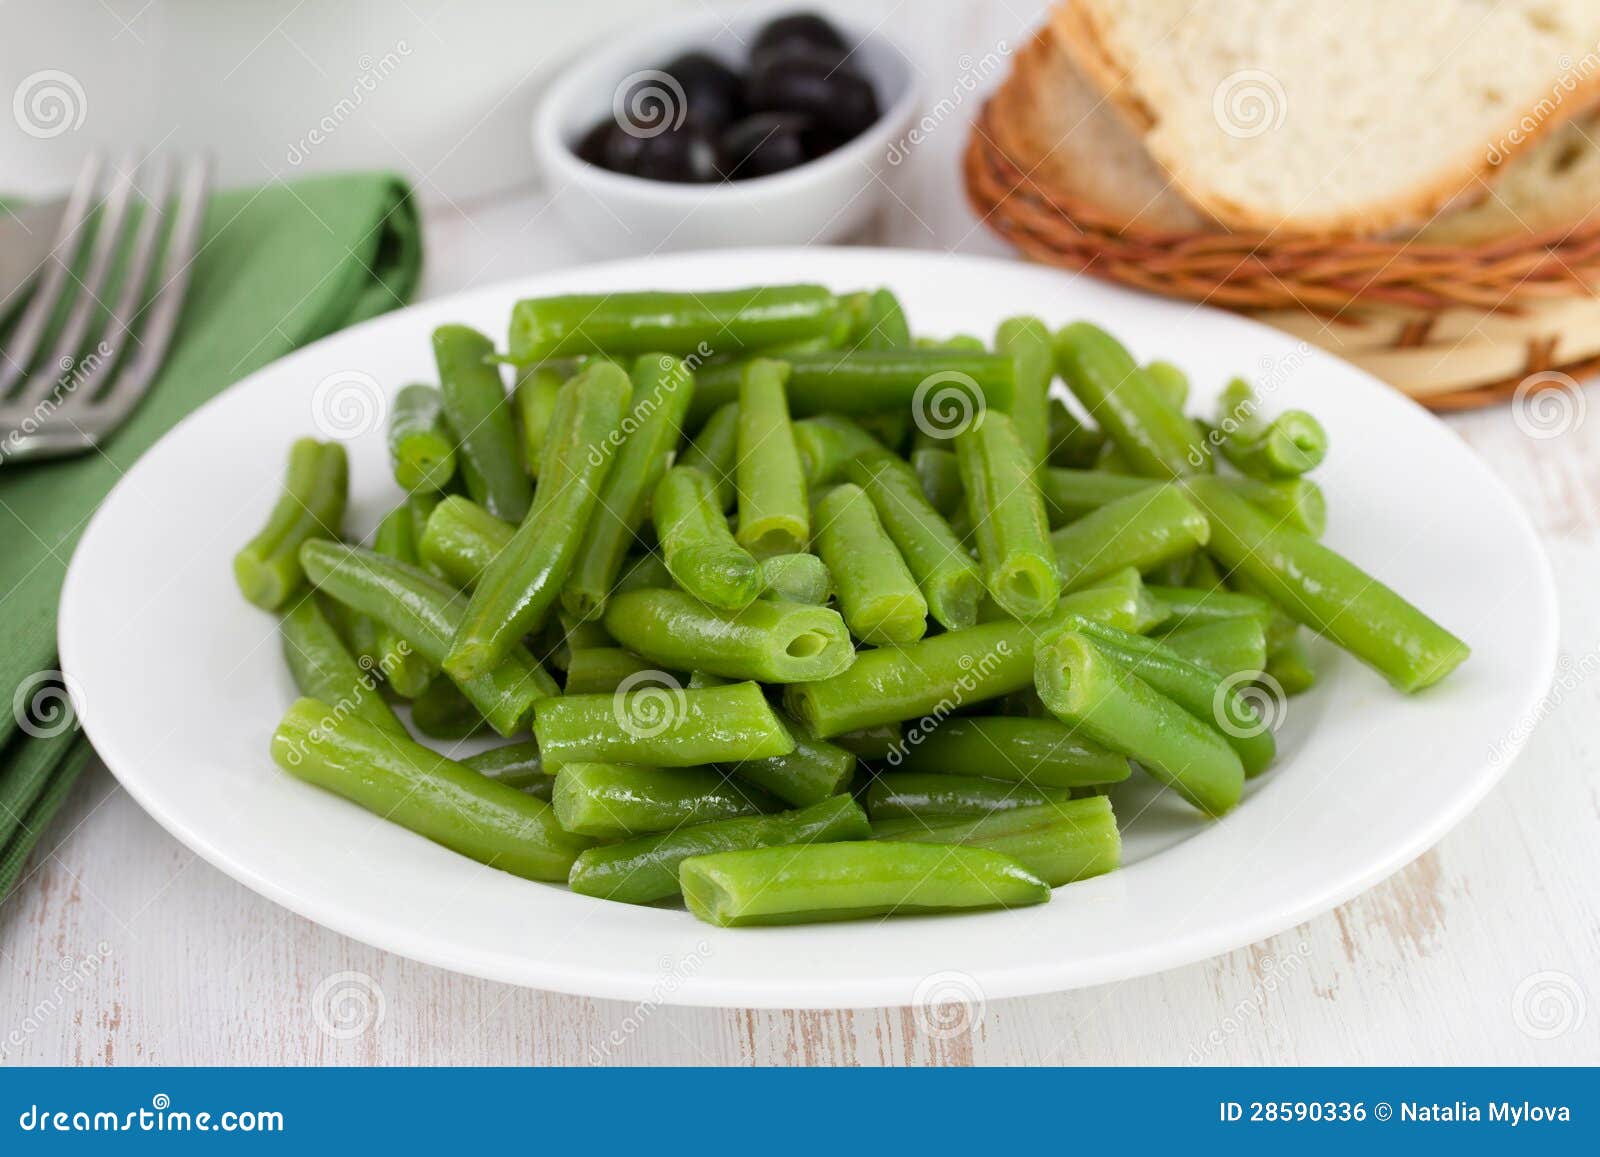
x=72 y=400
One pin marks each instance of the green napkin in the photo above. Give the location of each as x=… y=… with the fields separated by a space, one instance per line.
x=278 y=267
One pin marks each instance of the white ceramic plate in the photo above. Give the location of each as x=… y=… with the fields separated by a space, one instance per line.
x=181 y=681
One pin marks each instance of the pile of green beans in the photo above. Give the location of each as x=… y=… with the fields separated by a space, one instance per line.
x=762 y=634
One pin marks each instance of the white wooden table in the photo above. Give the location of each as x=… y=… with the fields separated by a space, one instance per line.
x=125 y=948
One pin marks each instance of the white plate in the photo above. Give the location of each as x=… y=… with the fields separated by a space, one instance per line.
x=181 y=681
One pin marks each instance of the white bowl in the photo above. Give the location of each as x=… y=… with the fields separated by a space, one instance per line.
x=818 y=202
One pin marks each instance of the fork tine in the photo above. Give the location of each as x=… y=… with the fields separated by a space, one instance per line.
x=108 y=239
x=35 y=319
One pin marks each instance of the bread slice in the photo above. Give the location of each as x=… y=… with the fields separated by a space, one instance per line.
x=1352 y=118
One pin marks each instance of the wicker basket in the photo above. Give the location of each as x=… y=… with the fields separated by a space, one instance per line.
x=1509 y=308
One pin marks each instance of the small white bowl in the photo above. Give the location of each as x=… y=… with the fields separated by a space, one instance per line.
x=616 y=215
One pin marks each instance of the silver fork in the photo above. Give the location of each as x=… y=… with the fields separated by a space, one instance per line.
x=73 y=399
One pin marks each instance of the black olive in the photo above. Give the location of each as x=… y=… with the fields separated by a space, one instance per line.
x=713 y=92
x=767 y=142
x=840 y=98
x=592 y=146
x=687 y=153
x=801 y=32
x=821 y=142
x=622 y=148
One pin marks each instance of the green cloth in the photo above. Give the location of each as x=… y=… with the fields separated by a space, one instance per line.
x=278 y=267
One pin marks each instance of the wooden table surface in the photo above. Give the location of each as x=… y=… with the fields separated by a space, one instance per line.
x=125 y=948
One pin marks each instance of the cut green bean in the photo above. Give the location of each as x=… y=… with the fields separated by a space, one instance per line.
x=1285 y=447
x=514 y=764
x=462 y=539
x=770 y=641
x=906 y=794
x=677 y=323
x=773 y=517
x=949 y=579
x=827 y=444
x=661 y=725
x=874 y=742
x=1143 y=530
x=479 y=410
x=1328 y=593
x=1170 y=381
x=534 y=400
x=939 y=475
x=1193 y=607
x=418 y=789
x=647 y=572
x=595 y=670
x=422 y=449
x=441 y=711
x=1226 y=646
x=813 y=771
x=852 y=881
x=715 y=451
x=1295 y=501
x=1042 y=752
x=324 y=669
x=1155 y=437
x=877 y=594
x=1290 y=668
x=1008 y=519
x=880 y=324
x=1027 y=340
x=315 y=489
x=662 y=387
x=796 y=578
x=1086 y=689
x=1071 y=494
x=406 y=670
x=612 y=801
x=1072 y=444
x=426 y=612
x=645 y=870
x=515 y=594
x=700 y=551
x=1061 y=843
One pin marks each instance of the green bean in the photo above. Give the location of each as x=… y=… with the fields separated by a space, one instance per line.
x=422 y=449
x=1008 y=518
x=1290 y=668
x=592 y=670
x=514 y=764
x=1071 y=494
x=479 y=410
x=435 y=797
x=662 y=388
x=323 y=669
x=647 y=572
x=1155 y=437
x=715 y=451
x=700 y=551
x=1286 y=447
x=1042 y=752
x=612 y=801
x=1215 y=701
x=661 y=726
x=874 y=742
x=796 y=578
x=311 y=505
x=881 y=324
x=1170 y=381
x=1027 y=340
x=1192 y=607
x=939 y=475
x=877 y=594
x=462 y=539
x=441 y=711
x=1072 y=444
x=675 y=323
x=426 y=613
x=645 y=870
x=1061 y=843
x=1087 y=690
x=773 y=518
x=931 y=678
x=360 y=635
x=1327 y=592
x=827 y=444
x=1295 y=501
x=851 y=881
x=407 y=671
x=515 y=594
x=957 y=341
x=813 y=771
x=891 y=428
x=774 y=642
x=904 y=794
x=1226 y=646
x=534 y=400
x=1143 y=530
x=948 y=578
